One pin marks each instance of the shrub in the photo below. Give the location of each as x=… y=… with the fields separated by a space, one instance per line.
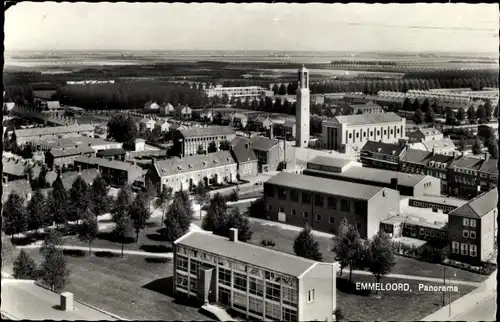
x=25 y=267
x=268 y=243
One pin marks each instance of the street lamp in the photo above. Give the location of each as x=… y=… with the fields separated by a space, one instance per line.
x=449 y=293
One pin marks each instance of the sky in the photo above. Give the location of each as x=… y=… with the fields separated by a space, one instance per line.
x=50 y=26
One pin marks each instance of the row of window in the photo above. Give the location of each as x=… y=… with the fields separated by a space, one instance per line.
x=205 y=138
x=371 y=133
x=467 y=222
x=422 y=204
x=305 y=215
x=464 y=249
x=469 y=234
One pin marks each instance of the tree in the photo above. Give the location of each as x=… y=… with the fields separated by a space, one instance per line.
x=339 y=246
x=52 y=241
x=163 y=201
x=407 y=104
x=41 y=181
x=306 y=246
x=54 y=271
x=123 y=229
x=488 y=109
x=430 y=116
x=101 y=202
x=481 y=112
x=200 y=150
x=462 y=143
x=418 y=117
x=380 y=257
x=25 y=267
x=212 y=147
x=150 y=192
x=461 y=114
x=224 y=145
x=15 y=219
x=282 y=89
x=234 y=196
x=215 y=219
x=476 y=146
x=416 y=105
x=471 y=114
x=178 y=219
x=8 y=251
x=14 y=148
x=122 y=203
x=89 y=228
x=37 y=212
x=201 y=194
x=139 y=213
x=450 y=116
x=122 y=128
x=257 y=208
x=80 y=199
x=240 y=222
x=57 y=202
x=493 y=148
x=425 y=105
x=355 y=256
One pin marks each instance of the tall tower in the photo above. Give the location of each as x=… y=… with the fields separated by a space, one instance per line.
x=303 y=109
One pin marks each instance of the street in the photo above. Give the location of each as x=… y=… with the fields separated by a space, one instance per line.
x=484 y=311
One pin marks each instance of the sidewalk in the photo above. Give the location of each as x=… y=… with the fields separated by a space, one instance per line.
x=111 y=250
x=288 y=227
x=467 y=302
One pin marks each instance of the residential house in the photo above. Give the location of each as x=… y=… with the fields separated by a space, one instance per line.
x=239 y=120
x=151 y=106
x=269 y=153
x=322 y=203
x=349 y=133
x=112 y=154
x=117 y=173
x=54 y=108
x=464 y=177
x=186 y=173
x=162 y=125
x=246 y=161
x=50 y=133
x=73 y=142
x=346 y=170
x=146 y=124
x=182 y=112
x=382 y=155
x=289 y=129
x=368 y=108
x=64 y=157
x=166 y=109
x=473 y=229
x=207 y=115
x=425 y=134
x=261 y=123
x=258 y=282
x=188 y=141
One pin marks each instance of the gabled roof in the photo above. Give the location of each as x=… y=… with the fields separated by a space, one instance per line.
x=53 y=105
x=428 y=131
x=174 y=166
x=331 y=162
x=88 y=175
x=258 y=256
x=63 y=152
x=146 y=121
x=362 y=119
x=325 y=186
x=416 y=156
x=479 y=206
x=169 y=106
x=242 y=151
x=439 y=144
x=110 y=152
x=162 y=122
x=113 y=164
x=177 y=126
x=384 y=148
x=465 y=162
x=182 y=108
x=289 y=123
x=262 y=143
x=55 y=130
x=489 y=166
x=15 y=168
x=206 y=131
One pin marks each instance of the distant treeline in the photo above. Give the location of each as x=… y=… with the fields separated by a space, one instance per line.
x=363 y=62
x=131 y=95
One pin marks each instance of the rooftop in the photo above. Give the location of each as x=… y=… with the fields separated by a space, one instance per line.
x=63 y=152
x=174 y=166
x=54 y=130
x=384 y=148
x=479 y=206
x=43 y=94
x=489 y=166
x=362 y=119
x=262 y=143
x=466 y=162
x=53 y=105
x=331 y=162
x=110 y=152
x=439 y=144
x=113 y=164
x=247 y=253
x=207 y=131
x=441 y=200
x=325 y=186
x=24 y=300
x=242 y=151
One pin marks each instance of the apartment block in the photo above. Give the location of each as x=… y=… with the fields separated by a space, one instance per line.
x=188 y=141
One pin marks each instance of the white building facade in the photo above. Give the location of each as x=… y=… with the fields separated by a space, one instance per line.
x=303 y=109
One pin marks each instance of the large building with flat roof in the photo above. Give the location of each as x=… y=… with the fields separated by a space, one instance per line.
x=47 y=133
x=188 y=141
x=261 y=283
x=349 y=133
x=322 y=203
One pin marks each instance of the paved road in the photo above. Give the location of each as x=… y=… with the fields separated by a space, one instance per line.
x=484 y=311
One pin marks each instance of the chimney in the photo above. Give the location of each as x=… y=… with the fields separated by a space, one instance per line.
x=79 y=169
x=433 y=151
x=486 y=156
x=455 y=154
x=67 y=301
x=394 y=183
x=271 y=132
x=233 y=234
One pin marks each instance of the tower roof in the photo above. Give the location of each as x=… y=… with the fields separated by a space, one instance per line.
x=303 y=69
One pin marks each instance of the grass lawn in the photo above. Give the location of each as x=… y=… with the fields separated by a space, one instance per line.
x=392 y=305
x=133 y=287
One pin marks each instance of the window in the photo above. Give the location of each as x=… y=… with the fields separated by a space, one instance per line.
x=306 y=198
x=239 y=301
x=273 y=312
x=269 y=191
x=473 y=250
x=358 y=225
x=273 y=292
x=310 y=296
x=255 y=306
x=289 y=315
x=378 y=132
x=256 y=286
x=240 y=281
x=270 y=208
x=318 y=200
x=345 y=205
x=195 y=266
x=432 y=233
x=294 y=195
x=364 y=134
x=332 y=203
x=422 y=232
x=318 y=217
x=472 y=234
x=331 y=220
x=466 y=222
x=465 y=233
x=305 y=214
x=371 y=133
x=224 y=276
x=472 y=222
x=294 y=212
x=182 y=282
x=193 y=285
x=289 y=296
x=281 y=194
x=182 y=263
x=357 y=135
x=455 y=247
x=463 y=249
x=350 y=135
x=359 y=207
x=385 y=132
x=281 y=209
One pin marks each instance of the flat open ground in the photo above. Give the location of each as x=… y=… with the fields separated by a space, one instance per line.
x=132 y=287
